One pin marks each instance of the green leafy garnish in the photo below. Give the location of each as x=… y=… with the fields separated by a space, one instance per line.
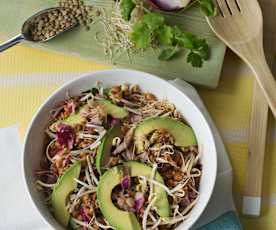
x=168 y=53
x=165 y=35
x=141 y=35
x=153 y=20
x=199 y=49
x=126 y=8
x=143 y=31
x=195 y=59
x=151 y=29
x=187 y=40
x=207 y=7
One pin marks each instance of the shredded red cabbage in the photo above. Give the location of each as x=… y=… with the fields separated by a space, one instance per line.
x=139 y=201
x=71 y=106
x=125 y=182
x=67 y=160
x=65 y=135
x=85 y=217
x=112 y=121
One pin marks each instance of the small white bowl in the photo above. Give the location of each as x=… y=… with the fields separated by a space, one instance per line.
x=34 y=142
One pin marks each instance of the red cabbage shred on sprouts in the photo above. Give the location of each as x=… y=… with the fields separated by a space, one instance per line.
x=65 y=135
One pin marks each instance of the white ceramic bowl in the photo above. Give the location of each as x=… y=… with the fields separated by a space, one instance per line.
x=33 y=147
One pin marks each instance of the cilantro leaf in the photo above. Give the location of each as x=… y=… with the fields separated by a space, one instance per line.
x=126 y=8
x=202 y=48
x=195 y=59
x=187 y=40
x=141 y=35
x=168 y=53
x=153 y=20
x=177 y=31
x=208 y=7
x=165 y=35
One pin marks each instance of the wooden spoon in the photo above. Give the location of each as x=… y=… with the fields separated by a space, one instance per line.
x=239 y=24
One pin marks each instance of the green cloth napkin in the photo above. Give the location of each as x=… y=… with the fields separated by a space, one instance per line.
x=83 y=43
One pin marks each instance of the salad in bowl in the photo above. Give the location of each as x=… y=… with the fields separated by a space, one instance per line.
x=118 y=156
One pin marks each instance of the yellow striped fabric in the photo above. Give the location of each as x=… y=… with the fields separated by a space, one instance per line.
x=28 y=76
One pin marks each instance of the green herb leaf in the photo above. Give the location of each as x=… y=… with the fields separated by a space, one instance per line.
x=177 y=31
x=141 y=35
x=202 y=48
x=208 y=7
x=195 y=59
x=153 y=20
x=186 y=40
x=168 y=53
x=126 y=8
x=165 y=35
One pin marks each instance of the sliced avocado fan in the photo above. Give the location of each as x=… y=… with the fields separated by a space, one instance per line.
x=183 y=134
x=122 y=220
x=64 y=186
x=104 y=150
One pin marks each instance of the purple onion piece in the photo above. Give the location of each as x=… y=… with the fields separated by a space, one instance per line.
x=170 y=5
x=125 y=182
x=139 y=201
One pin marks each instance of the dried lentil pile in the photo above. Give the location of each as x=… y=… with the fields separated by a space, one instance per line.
x=55 y=21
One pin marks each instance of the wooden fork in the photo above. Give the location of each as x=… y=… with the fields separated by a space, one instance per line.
x=239 y=24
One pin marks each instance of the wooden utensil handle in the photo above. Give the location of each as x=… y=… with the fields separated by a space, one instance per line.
x=265 y=80
x=256 y=149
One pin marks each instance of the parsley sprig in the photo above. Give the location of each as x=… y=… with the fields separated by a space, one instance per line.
x=151 y=28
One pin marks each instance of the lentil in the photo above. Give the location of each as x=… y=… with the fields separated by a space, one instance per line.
x=55 y=21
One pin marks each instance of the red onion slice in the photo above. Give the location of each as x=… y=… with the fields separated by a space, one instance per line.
x=170 y=5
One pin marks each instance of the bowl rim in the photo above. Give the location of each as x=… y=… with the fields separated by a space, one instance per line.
x=110 y=71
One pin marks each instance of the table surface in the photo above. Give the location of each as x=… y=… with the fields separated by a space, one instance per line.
x=28 y=76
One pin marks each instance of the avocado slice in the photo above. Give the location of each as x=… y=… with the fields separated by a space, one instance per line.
x=72 y=225
x=183 y=134
x=65 y=185
x=73 y=119
x=104 y=149
x=122 y=220
x=76 y=118
x=112 y=109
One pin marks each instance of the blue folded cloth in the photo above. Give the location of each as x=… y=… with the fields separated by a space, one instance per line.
x=227 y=221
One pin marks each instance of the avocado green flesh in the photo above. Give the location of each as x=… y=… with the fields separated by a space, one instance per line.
x=112 y=109
x=122 y=220
x=104 y=150
x=72 y=225
x=72 y=120
x=184 y=135
x=65 y=185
